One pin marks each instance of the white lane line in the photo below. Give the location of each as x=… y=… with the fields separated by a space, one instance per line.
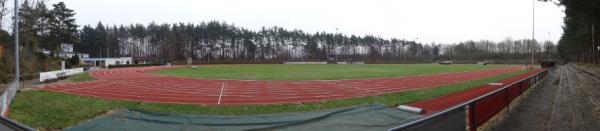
x=221 y=95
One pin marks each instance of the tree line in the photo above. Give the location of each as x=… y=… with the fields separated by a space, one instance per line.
x=222 y=42
x=579 y=42
x=41 y=29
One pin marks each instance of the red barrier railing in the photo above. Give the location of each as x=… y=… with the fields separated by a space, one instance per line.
x=484 y=108
x=480 y=109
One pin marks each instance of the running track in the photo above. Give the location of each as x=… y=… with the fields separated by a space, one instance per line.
x=137 y=84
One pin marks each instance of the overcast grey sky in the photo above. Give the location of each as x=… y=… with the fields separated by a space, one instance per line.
x=437 y=21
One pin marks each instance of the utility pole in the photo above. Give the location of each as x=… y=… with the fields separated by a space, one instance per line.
x=533 y=33
x=16 y=31
x=549 y=50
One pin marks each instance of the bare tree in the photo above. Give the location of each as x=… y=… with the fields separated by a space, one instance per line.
x=3 y=11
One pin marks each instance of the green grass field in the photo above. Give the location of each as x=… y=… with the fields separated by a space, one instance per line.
x=48 y=111
x=81 y=77
x=317 y=72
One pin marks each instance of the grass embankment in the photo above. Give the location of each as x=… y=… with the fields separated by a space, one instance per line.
x=317 y=72
x=48 y=110
x=81 y=77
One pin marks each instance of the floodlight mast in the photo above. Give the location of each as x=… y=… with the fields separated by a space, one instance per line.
x=533 y=33
x=549 y=50
x=16 y=31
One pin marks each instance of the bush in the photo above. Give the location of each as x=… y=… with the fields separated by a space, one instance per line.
x=75 y=60
x=5 y=70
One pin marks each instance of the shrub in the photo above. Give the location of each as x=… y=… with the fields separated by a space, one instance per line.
x=74 y=60
x=4 y=71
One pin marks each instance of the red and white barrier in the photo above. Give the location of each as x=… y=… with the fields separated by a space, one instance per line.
x=59 y=73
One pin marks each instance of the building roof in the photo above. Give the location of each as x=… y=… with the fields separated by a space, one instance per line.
x=95 y=59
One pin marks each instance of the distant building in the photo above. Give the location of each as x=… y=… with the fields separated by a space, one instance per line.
x=145 y=60
x=105 y=62
x=66 y=51
x=66 y=47
x=68 y=55
x=547 y=63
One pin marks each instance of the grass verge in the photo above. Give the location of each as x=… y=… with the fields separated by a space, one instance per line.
x=48 y=111
x=81 y=77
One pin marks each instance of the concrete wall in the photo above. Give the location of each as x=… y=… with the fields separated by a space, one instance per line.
x=304 y=62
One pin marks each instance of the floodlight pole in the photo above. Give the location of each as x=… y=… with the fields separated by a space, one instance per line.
x=549 y=50
x=533 y=33
x=16 y=31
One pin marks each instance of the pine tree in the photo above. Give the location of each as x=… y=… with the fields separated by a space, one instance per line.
x=63 y=28
x=99 y=40
x=87 y=38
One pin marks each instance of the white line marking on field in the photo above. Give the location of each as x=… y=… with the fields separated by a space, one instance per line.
x=221 y=95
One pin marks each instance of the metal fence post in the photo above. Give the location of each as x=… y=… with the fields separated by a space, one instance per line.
x=472 y=122
x=521 y=90
x=530 y=81
x=506 y=100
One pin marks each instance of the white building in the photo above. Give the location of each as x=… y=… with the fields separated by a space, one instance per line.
x=67 y=52
x=105 y=62
x=66 y=47
x=69 y=55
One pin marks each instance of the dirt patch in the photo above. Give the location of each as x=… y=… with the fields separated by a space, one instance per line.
x=29 y=84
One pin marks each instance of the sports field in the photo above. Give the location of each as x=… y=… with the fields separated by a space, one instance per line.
x=139 y=84
x=54 y=111
x=318 y=72
x=272 y=89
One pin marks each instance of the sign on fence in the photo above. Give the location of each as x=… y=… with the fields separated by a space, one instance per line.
x=58 y=74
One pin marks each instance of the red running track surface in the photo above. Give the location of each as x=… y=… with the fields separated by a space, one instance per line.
x=137 y=84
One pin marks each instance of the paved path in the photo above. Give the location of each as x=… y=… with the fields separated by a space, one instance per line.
x=136 y=84
x=566 y=101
